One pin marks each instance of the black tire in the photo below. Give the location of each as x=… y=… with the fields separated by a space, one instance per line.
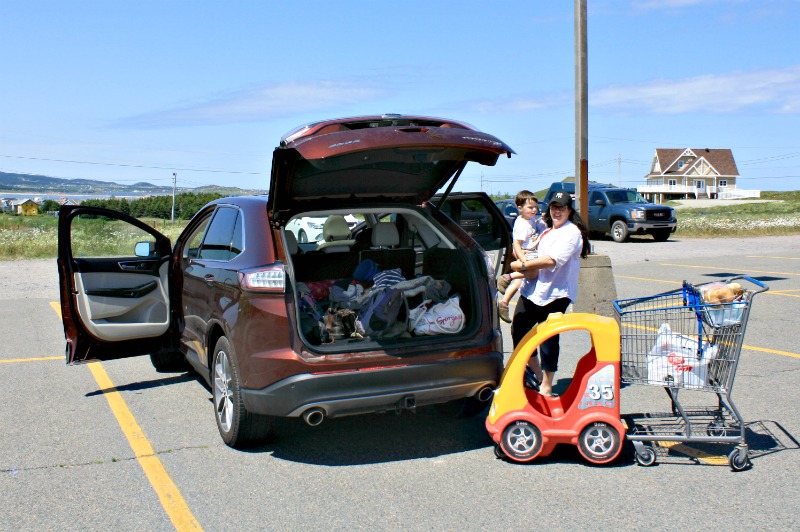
x=498 y=452
x=599 y=443
x=302 y=237
x=169 y=362
x=647 y=457
x=619 y=231
x=521 y=441
x=661 y=235
x=739 y=461
x=238 y=427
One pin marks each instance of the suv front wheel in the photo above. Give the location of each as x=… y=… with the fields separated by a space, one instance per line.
x=237 y=426
x=619 y=231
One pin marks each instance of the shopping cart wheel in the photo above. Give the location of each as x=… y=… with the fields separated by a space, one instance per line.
x=738 y=460
x=646 y=457
x=521 y=441
x=716 y=429
x=599 y=443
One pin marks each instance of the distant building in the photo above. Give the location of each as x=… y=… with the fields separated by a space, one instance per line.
x=27 y=207
x=690 y=173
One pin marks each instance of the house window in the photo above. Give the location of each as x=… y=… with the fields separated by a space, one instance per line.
x=723 y=182
x=680 y=165
x=700 y=185
x=673 y=183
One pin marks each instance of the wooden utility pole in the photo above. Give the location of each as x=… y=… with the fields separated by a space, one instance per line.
x=581 y=114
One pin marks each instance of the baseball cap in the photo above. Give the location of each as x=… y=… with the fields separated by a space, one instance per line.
x=562 y=198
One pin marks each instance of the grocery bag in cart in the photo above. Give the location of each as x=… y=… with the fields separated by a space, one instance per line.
x=679 y=360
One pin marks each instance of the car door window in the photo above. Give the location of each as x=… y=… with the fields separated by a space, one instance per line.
x=94 y=236
x=217 y=244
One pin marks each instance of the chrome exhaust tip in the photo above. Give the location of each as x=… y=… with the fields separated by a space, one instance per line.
x=314 y=416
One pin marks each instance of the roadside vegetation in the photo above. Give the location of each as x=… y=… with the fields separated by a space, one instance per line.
x=36 y=237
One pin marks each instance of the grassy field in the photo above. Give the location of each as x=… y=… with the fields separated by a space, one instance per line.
x=35 y=237
x=780 y=217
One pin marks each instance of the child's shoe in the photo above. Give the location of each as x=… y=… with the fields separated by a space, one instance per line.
x=502 y=283
x=502 y=309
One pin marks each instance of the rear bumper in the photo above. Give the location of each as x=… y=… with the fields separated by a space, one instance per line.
x=376 y=390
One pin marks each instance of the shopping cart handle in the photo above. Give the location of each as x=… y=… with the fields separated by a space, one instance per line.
x=762 y=287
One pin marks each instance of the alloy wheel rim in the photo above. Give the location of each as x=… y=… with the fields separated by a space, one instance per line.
x=223 y=395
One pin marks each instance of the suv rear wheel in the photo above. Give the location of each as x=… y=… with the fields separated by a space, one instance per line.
x=237 y=426
x=661 y=235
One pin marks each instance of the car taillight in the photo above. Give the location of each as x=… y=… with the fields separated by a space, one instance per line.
x=269 y=279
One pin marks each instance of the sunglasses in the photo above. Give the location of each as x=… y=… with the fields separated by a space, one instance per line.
x=556 y=207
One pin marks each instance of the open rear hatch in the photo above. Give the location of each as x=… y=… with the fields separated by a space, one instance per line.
x=382 y=159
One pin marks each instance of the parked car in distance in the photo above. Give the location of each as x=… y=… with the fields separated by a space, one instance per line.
x=621 y=212
x=263 y=320
x=309 y=228
x=509 y=210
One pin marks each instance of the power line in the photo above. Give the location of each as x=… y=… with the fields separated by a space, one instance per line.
x=133 y=165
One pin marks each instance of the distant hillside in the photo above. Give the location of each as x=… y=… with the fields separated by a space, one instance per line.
x=44 y=185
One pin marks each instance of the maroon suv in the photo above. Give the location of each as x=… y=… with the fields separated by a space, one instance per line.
x=317 y=329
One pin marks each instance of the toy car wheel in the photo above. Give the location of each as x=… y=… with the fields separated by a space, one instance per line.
x=599 y=443
x=739 y=461
x=646 y=457
x=302 y=237
x=521 y=441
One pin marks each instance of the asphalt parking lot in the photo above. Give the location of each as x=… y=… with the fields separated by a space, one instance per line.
x=117 y=445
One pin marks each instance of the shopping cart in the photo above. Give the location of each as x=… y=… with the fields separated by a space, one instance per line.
x=678 y=340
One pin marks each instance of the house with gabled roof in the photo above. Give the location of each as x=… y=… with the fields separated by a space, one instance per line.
x=685 y=173
x=27 y=207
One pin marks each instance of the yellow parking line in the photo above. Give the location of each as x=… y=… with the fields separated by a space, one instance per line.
x=171 y=499
x=717 y=267
x=37 y=359
x=648 y=280
x=768 y=257
x=708 y=458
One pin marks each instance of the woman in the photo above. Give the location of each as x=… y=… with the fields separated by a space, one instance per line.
x=561 y=247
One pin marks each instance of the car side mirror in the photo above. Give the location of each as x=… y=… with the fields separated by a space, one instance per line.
x=599 y=203
x=145 y=249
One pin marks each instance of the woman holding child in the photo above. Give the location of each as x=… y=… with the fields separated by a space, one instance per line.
x=555 y=285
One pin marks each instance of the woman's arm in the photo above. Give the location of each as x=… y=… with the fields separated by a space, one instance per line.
x=532 y=266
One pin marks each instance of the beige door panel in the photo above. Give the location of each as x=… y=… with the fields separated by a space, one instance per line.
x=123 y=306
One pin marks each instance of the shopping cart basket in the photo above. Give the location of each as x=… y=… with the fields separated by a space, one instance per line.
x=681 y=339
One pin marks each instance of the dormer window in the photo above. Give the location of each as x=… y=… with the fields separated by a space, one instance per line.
x=680 y=165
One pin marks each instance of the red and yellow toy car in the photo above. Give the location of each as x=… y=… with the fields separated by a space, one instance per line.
x=525 y=424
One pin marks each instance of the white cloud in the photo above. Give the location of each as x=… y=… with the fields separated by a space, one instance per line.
x=669 y=4
x=771 y=90
x=259 y=103
x=515 y=104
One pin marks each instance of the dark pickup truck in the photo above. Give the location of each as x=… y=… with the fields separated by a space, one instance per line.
x=621 y=212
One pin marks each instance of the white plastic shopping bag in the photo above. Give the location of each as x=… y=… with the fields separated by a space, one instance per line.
x=674 y=360
x=442 y=318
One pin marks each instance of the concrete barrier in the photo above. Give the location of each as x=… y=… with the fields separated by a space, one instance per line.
x=596 y=287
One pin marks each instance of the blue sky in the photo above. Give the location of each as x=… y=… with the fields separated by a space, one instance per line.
x=134 y=91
